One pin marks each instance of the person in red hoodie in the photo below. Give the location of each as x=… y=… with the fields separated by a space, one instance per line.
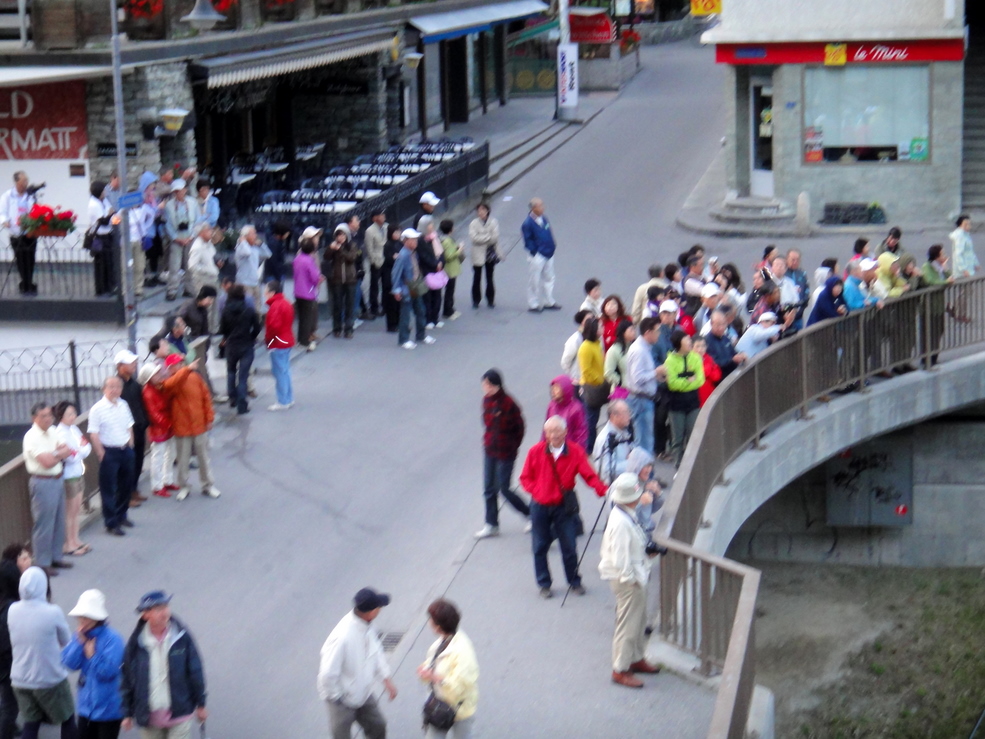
x=280 y=339
x=160 y=430
x=713 y=373
x=549 y=470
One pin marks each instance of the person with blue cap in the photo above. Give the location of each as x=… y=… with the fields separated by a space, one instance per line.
x=352 y=665
x=163 y=682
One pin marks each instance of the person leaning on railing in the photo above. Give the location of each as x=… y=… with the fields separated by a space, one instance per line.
x=685 y=375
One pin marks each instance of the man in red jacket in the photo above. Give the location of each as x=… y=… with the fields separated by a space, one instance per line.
x=280 y=340
x=550 y=469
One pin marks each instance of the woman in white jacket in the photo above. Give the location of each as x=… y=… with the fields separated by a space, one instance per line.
x=451 y=670
x=484 y=235
x=71 y=435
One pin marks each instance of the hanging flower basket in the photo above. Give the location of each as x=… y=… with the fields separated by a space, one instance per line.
x=144 y=19
x=43 y=220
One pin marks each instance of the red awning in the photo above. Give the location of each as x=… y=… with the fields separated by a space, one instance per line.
x=591 y=26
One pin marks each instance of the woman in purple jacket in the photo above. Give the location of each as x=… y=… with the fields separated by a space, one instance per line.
x=307 y=278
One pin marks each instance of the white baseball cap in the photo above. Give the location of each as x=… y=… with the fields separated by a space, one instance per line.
x=125 y=356
x=669 y=306
x=178 y=184
x=710 y=290
x=429 y=198
x=768 y=316
x=868 y=264
x=92 y=604
x=311 y=232
x=409 y=233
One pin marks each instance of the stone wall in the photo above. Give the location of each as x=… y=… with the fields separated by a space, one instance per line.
x=948 y=507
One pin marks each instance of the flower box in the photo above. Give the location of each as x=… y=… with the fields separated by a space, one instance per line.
x=43 y=220
x=47 y=232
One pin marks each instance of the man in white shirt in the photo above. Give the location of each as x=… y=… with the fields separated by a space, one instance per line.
x=625 y=563
x=569 y=355
x=111 y=434
x=15 y=203
x=641 y=381
x=352 y=664
x=250 y=253
x=43 y=455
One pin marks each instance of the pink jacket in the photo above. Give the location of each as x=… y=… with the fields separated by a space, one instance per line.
x=570 y=409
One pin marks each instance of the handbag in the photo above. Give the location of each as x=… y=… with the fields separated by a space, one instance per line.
x=88 y=239
x=436 y=280
x=569 y=498
x=596 y=395
x=438 y=713
x=418 y=288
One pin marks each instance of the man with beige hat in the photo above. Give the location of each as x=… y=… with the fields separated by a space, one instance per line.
x=625 y=564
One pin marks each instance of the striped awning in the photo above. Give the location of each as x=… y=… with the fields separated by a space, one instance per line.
x=235 y=69
x=436 y=27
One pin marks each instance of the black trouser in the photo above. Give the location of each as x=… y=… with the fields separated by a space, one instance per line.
x=115 y=484
x=239 y=359
x=391 y=307
x=69 y=729
x=139 y=447
x=661 y=433
x=450 y=297
x=432 y=305
x=343 y=301
x=102 y=262
x=375 y=279
x=8 y=710
x=477 y=285
x=24 y=255
x=98 y=729
x=307 y=311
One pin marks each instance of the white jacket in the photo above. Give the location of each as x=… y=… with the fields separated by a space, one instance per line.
x=624 y=549
x=352 y=663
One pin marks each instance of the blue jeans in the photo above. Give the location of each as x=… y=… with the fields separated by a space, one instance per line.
x=280 y=365
x=550 y=523
x=238 y=363
x=497 y=474
x=116 y=484
x=407 y=305
x=642 y=410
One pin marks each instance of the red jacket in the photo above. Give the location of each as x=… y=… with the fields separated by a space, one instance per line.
x=503 y=420
x=713 y=376
x=158 y=409
x=539 y=480
x=280 y=323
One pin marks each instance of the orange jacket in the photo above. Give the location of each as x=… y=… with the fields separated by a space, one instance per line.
x=191 y=403
x=158 y=407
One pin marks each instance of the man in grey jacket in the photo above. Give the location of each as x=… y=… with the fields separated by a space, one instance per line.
x=373 y=243
x=38 y=632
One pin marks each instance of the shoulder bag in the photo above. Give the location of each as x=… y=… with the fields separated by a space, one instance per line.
x=438 y=713
x=569 y=498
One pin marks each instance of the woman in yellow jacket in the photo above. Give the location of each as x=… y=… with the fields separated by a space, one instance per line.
x=889 y=283
x=451 y=669
x=685 y=374
x=594 y=390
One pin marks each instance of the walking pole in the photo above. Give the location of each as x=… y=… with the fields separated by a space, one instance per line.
x=587 y=542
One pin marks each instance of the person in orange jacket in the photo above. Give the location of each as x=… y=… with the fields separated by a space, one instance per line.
x=160 y=430
x=279 y=335
x=192 y=415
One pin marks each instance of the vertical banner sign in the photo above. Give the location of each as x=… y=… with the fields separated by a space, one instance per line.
x=567 y=75
x=706 y=7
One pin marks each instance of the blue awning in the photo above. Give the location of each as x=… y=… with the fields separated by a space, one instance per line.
x=442 y=26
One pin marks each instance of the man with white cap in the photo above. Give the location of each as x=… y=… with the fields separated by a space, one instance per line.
x=759 y=336
x=860 y=273
x=408 y=289
x=180 y=218
x=429 y=201
x=111 y=433
x=352 y=665
x=625 y=563
x=163 y=686
x=126 y=370
x=711 y=296
x=538 y=240
x=97 y=653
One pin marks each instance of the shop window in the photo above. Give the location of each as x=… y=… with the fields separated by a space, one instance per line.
x=867 y=113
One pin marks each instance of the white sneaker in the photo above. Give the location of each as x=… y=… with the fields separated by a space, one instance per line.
x=183 y=493
x=439 y=324
x=486 y=531
x=290 y=405
x=212 y=492
x=356 y=323
x=429 y=326
x=454 y=316
x=311 y=346
x=429 y=339
x=279 y=406
x=528 y=528
x=408 y=345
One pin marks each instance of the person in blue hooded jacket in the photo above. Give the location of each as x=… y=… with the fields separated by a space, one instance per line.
x=856 y=288
x=97 y=653
x=830 y=302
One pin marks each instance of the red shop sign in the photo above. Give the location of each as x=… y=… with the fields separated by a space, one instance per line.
x=591 y=28
x=836 y=54
x=43 y=121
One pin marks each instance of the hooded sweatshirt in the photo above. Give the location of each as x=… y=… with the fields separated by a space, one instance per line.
x=38 y=631
x=638 y=459
x=9 y=580
x=570 y=409
x=827 y=304
x=888 y=285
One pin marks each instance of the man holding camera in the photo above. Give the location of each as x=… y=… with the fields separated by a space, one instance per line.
x=625 y=563
x=14 y=203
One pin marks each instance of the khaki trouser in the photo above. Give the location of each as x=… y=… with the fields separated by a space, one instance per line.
x=629 y=639
x=183 y=445
x=139 y=265
x=181 y=731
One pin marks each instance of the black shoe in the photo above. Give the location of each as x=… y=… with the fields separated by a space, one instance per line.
x=492 y=305
x=546 y=593
x=553 y=306
x=243 y=411
x=534 y=310
x=62 y=565
x=171 y=297
x=348 y=334
x=116 y=531
x=475 y=306
x=127 y=522
x=578 y=589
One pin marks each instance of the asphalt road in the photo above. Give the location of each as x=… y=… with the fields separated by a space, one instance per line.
x=374 y=478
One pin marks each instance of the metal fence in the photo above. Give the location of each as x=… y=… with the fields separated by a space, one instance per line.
x=73 y=371
x=708 y=602
x=62 y=270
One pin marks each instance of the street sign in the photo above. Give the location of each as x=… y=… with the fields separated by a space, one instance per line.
x=706 y=7
x=131 y=200
x=567 y=75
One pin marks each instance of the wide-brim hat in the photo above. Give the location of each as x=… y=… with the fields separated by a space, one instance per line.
x=626 y=489
x=92 y=604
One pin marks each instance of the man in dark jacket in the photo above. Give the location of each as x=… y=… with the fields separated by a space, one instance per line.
x=126 y=368
x=503 y=421
x=720 y=347
x=197 y=313
x=159 y=653
x=340 y=265
x=239 y=327
x=9 y=580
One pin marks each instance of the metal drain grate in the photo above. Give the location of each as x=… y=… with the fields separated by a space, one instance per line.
x=391 y=639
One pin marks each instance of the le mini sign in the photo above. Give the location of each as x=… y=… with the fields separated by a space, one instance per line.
x=842 y=54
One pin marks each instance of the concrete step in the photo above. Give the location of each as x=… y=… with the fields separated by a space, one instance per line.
x=527 y=144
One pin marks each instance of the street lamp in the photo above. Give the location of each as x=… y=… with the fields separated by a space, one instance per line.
x=203 y=16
